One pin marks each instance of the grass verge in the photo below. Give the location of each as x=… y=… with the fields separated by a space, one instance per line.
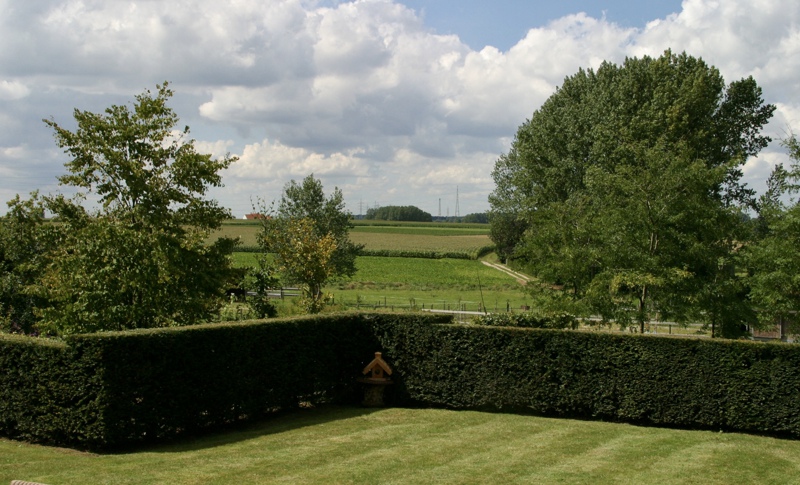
x=354 y=445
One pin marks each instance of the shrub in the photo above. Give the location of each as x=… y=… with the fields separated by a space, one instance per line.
x=529 y=320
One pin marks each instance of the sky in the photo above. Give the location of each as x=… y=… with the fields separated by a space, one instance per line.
x=406 y=102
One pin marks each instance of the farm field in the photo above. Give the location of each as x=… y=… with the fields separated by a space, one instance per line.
x=408 y=446
x=379 y=234
x=415 y=282
x=449 y=284
x=398 y=283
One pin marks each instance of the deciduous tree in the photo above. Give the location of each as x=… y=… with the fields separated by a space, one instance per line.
x=140 y=259
x=774 y=259
x=309 y=235
x=628 y=178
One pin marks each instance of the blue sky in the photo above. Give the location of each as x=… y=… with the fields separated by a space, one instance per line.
x=394 y=102
x=502 y=23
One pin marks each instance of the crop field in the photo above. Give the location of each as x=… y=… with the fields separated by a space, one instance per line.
x=420 y=242
x=423 y=231
x=421 y=236
x=403 y=282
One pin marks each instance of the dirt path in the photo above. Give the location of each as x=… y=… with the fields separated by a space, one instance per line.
x=521 y=278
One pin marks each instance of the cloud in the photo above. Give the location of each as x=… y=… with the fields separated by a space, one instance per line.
x=362 y=93
x=13 y=90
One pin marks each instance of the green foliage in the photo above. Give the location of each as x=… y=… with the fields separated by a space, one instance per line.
x=692 y=383
x=773 y=260
x=476 y=218
x=140 y=260
x=116 y=389
x=309 y=236
x=24 y=241
x=303 y=256
x=507 y=230
x=399 y=213
x=528 y=320
x=48 y=391
x=261 y=279
x=626 y=185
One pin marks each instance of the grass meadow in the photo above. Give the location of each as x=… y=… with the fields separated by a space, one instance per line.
x=421 y=446
x=416 y=282
x=412 y=282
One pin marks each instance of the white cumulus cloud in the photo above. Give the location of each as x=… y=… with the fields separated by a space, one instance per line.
x=362 y=93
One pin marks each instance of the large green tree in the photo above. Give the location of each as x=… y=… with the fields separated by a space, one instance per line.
x=628 y=180
x=773 y=259
x=309 y=235
x=139 y=259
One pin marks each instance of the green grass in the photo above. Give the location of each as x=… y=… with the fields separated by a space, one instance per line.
x=432 y=283
x=407 y=446
x=421 y=230
x=420 y=242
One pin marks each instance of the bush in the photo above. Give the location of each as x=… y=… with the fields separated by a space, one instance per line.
x=48 y=392
x=528 y=320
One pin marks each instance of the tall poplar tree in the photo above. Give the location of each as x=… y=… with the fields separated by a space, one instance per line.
x=628 y=180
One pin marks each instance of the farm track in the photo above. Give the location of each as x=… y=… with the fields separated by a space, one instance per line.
x=521 y=278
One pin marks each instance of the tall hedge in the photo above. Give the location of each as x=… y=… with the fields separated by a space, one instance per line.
x=162 y=383
x=49 y=392
x=709 y=384
x=111 y=390
x=115 y=389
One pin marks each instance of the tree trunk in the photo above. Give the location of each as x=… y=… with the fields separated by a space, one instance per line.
x=642 y=300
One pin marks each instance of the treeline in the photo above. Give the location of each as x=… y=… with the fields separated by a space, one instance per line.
x=399 y=213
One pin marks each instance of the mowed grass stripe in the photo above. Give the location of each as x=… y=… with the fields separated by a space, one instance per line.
x=410 y=446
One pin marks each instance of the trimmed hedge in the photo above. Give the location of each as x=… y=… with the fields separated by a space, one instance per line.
x=116 y=389
x=707 y=384
x=48 y=391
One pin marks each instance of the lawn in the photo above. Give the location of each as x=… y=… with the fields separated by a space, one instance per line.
x=408 y=446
